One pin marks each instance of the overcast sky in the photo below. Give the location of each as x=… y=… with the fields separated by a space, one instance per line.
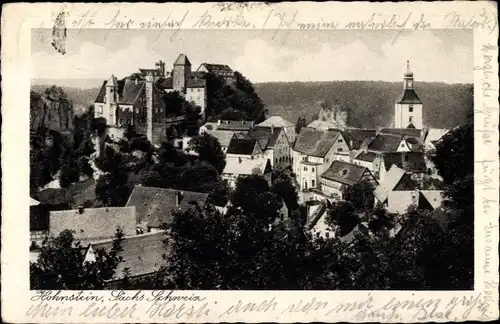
x=440 y=55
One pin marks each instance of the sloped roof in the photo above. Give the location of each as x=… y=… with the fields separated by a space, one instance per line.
x=224 y=137
x=102 y=93
x=408 y=96
x=391 y=179
x=157 y=206
x=315 y=142
x=182 y=60
x=195 y=81
x=242 y=146
x=92 y=224
x=385 y=143
x=354 y=137
x=142 y=254
x=267 y=136
x=245 y=166
x=218 y=68
x=409 y=132
x=410 y=125
x=345 y=173
x=434 y=134
x=112 y=81
x=322 y=125
x=235 y=125
x=396 y=158
x=368 y=156
x=434 y=197
x=130 y=92
x=276 y=121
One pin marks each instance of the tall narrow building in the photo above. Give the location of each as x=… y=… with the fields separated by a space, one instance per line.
x=408 y=107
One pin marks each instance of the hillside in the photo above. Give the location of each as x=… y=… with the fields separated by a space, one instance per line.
x=371 y=102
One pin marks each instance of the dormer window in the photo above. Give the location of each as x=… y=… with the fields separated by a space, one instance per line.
x=410 y=109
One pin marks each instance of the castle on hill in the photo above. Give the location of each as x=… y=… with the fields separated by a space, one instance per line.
x=139 y=100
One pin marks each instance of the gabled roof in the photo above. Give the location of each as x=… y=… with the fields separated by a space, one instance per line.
x=142 y=254
x=156 y=206
x=267 y=136
x=433 y=197
x=315 y=142
x=276 y=121
x=91 y=224
x=224 y=137
x=396 y=158
x=385 y=143
x=182 y=60
x=218 y=68
x=366 y=156
x=235 y=125
x=434 y=134
x=245 y=166
x=408 y=96
x=355 y=137
x=409 y=132
x=241 y=146
x=112 y=81
x=391 y=179
x=345 y=173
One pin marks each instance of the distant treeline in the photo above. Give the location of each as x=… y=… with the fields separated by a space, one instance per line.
x=371 y=103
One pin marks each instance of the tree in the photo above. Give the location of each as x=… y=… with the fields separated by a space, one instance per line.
x=111 y=187
x=343 y=215
x=55 y=93
x=209 y=150
x=301 y=122
x=60 y=264
x=360 y=195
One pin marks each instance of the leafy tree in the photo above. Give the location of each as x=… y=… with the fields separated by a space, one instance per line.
x=360 y=195
x=175 y=103
x=98 y=125
x=111 y=187
x=55 y=93
x=60 y=264
x=209 y=150
x=343 y=215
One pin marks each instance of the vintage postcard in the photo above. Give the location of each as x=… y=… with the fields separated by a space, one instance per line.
x=250 y=162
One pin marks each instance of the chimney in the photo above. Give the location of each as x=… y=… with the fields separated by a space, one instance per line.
x=149 y=108
x=80 y=209
x=178 y=198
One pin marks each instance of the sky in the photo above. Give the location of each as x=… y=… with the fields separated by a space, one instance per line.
x=262 y=56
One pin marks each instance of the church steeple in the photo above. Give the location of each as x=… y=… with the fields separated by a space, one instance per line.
x=408 y=78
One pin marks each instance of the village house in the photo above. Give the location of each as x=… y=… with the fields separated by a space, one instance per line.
x=274 y=143
x=242 y=167
x=220 y=70
x=313 y=152
x=92 y=224
x=279 y=122
x=142 y=256
x=243 y=147
x=357 y=139
x=155 y=207
x=340 y=175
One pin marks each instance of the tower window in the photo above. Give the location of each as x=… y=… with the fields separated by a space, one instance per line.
x=410 y=109
x=411 y=119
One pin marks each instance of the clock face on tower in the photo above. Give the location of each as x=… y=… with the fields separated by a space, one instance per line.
x=410 y=84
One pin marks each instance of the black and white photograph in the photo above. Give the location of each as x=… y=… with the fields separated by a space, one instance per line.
x=246 y=160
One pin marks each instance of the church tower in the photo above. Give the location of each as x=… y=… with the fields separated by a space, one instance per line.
x=408 y=107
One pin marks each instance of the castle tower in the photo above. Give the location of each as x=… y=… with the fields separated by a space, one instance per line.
x=181 y=73
x=408 y=107
x=109 y=109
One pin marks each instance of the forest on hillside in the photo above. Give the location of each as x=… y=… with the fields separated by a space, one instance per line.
x=371 y=103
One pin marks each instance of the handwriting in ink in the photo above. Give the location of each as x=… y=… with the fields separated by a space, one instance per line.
x=116 y=311
x=240 y=307
x=177 y=310
x=119 y=22
x=282 y=21
x=231 y=21
x=479 y=19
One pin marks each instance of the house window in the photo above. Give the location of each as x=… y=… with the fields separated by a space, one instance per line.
x=339 y=149
x=100 y=109
x=305 y=184
x=406 y=158
x=340 y=140
x=410 y=109
x=312 y=183
x=305 y=168
x=312 y=169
